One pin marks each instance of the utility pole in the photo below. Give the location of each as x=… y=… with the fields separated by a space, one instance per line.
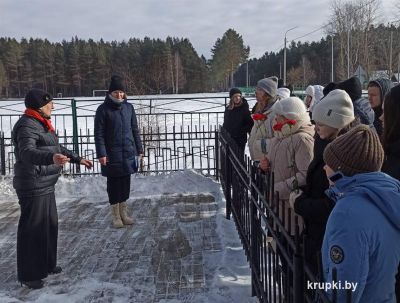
x=391 y=54
x=304 y=74
x=247 y=73
x=177 y=73
x=332 y=80
x=348 y=53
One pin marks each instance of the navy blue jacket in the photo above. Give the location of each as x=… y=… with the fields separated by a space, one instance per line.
x=362 y=236
x=117 y=137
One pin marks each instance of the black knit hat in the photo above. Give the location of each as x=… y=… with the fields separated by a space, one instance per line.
x=116 y=83
x=328 y=88
x=352 y=86
x=233 y=91
x=36 y=98
x=358 y=151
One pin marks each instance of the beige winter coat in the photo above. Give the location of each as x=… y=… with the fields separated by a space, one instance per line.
x=297 y=148
x=262 y=130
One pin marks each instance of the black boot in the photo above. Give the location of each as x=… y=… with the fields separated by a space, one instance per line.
x=36 y=284
x=55 y=270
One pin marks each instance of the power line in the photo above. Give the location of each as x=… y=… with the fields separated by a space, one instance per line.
x=316 y=30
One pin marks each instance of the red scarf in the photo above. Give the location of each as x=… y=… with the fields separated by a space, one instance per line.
x=35 y=114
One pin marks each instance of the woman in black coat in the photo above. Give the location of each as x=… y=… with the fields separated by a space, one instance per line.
x=237 y=118
x=333 y=116
x=118 y=144
x=39 y=158
x=391 y=144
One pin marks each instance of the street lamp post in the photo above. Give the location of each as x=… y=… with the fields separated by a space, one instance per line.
x=284 y=55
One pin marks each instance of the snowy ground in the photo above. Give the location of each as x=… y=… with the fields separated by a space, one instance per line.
x=181 y=248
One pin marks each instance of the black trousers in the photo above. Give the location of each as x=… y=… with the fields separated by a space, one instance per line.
x=37 y=237
x=118 y=189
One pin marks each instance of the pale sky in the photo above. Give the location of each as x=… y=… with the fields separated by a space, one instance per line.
x=262 y=23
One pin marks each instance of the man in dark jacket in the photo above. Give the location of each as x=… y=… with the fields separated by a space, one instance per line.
x=39 y=158
x=362 y=108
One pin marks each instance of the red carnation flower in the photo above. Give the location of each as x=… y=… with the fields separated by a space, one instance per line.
x=278 y=126
x=259 y=117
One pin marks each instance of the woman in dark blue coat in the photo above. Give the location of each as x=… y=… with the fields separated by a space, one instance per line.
x=39 y=158
x=118 y=145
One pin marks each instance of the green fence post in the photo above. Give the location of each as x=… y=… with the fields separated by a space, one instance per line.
x=75 y=140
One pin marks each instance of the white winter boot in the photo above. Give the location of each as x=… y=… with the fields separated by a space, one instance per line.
x=123 y=211
x=116 y=217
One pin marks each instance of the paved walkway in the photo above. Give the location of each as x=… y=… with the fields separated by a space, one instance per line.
x=172 y=252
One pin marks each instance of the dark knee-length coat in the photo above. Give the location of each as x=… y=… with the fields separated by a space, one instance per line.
x=117 y=137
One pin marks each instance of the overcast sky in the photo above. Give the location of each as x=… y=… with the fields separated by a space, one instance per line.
x=262 y=23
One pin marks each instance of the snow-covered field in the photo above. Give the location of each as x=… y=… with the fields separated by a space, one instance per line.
x=226 y=270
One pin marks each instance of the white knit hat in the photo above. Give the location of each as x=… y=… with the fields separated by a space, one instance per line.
x=269 y=86
x=283 y=92
x=335 y=110
x=291 y=108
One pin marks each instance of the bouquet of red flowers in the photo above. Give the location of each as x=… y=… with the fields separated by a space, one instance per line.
x=278 y=126
x=258 y=116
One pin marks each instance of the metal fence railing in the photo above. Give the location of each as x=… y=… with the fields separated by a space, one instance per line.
x=177 y=133
x=166 y=150
x=270 y=234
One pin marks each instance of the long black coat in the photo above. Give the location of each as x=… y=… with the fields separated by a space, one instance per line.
x=238 y=123
x=117 y=137
x=391 y=165
x=35 y=174
x=313 y=205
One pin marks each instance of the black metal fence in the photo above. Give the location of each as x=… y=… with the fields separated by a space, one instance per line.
x=169 y=150
x=177 y=133
x=270 y=233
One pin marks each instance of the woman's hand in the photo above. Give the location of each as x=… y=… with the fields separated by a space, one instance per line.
x=60 y=159
x=264 y=164
x=88 y=164
x=103 y=161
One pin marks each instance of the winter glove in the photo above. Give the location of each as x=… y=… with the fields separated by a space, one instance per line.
x=293 y=196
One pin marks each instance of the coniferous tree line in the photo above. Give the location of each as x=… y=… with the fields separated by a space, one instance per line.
x=77 y=67
x=149 y=66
